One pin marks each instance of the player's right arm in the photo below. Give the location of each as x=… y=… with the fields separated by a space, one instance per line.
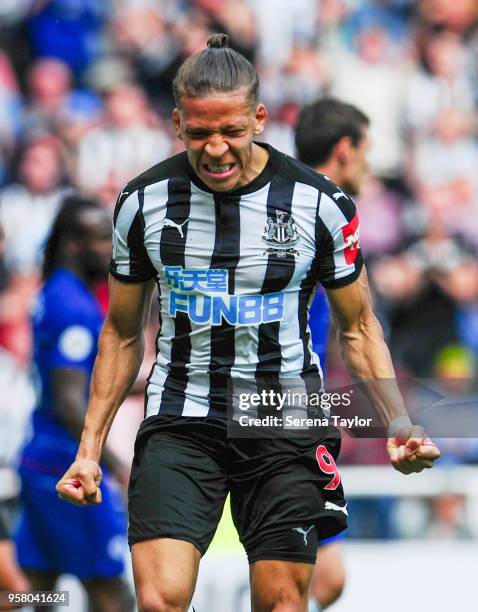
x=341 y=272
x=120 y=353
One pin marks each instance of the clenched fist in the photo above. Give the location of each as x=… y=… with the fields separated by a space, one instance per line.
x=412 y=451
x=81 y=483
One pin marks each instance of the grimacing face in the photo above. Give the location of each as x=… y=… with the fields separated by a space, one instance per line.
x=218 y=132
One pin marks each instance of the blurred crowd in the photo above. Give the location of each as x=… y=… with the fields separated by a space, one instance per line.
x=85 y=101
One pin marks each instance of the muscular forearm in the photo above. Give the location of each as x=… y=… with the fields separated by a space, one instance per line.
x=368 y=360
x=116 y=367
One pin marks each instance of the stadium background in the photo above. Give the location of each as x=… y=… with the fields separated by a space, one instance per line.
x=85 y=103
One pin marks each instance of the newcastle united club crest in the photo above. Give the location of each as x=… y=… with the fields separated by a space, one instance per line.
x=281 y=235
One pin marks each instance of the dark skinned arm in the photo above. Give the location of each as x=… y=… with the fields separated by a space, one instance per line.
x=69 y=391
x=120 y=353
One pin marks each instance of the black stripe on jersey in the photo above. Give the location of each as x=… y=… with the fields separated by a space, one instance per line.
x=172 y=253
x=225 y=255
x=310 y=373
x=326 y=273
x=278 y=275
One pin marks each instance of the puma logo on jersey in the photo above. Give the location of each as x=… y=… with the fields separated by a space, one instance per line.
x=339 y=194
x=331 y=506
x=303 y=532
x=179 y=226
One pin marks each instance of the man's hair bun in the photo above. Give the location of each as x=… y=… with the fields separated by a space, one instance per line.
x=218 y=41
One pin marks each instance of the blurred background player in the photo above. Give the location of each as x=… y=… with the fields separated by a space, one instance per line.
x=16 y=401
x=54 y=538
x=332 y=138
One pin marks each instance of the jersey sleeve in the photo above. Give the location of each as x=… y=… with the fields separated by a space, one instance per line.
x=130 y=261
x=338 y=247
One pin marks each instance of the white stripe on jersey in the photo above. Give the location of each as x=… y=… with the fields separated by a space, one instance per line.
x=120 y=233
x=198 y=251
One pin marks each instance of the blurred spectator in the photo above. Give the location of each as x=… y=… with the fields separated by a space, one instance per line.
x=447 y=519
x=372 y=74
x=304 y=76
x=28 y=206
x=423 y=287
x=10 y=115
x=130 y=140
x=280 y=129
x=52 y=102
x=16 y=402
x=69 y=30
x=235 y=17
x=451 y=416
x=145 y=41
x=381 y=228
x=13 y=39
x=441 y=81
x=457 y=15
x=3 y=268
x=27 y=209
x=280 y=31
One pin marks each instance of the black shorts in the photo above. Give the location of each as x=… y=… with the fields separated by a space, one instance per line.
x=282 y=502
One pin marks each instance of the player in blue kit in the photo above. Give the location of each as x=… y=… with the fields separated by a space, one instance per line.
x=332 y=138
x=54 y=538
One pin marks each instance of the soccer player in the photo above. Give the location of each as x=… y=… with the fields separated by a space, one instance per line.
x=332 y=138
x=236 y=235
x=54 y=538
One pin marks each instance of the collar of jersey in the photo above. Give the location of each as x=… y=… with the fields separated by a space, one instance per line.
x=261 y=180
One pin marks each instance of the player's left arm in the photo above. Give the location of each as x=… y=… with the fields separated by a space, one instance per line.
x=368 y=359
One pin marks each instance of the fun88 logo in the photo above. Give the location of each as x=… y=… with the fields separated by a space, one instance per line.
x=202 y=295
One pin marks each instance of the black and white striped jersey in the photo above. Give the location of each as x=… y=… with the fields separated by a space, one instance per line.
x=236 y=272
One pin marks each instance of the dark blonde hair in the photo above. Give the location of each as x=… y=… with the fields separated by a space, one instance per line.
x=217 y=69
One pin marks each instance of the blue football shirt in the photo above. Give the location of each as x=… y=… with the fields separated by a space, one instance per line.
x=319 y=323
x=66 y=325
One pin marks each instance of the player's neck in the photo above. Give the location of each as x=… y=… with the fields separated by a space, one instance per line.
x=259 y=159
x=75 y=269
x=331 y=169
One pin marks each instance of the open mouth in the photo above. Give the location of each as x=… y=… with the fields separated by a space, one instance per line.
x=219 y=170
